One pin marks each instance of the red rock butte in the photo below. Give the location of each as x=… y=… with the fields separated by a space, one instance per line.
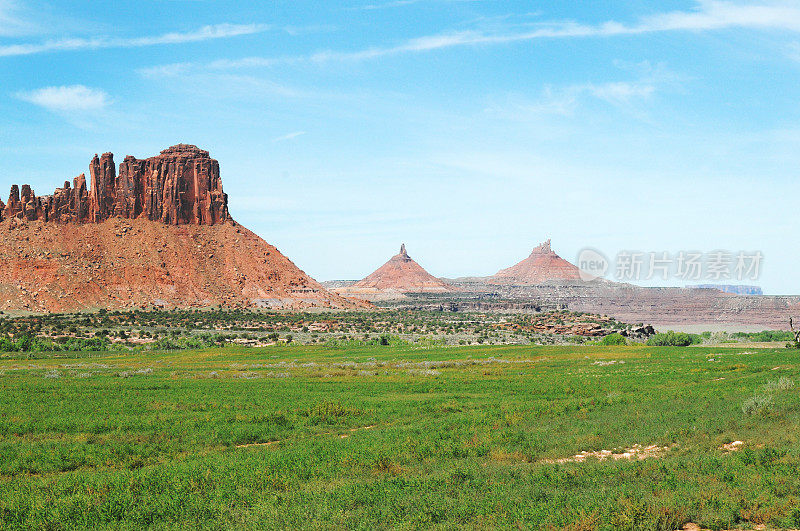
x=156 y=232
x=180 y=186
x=543 y=265
x=401 y=273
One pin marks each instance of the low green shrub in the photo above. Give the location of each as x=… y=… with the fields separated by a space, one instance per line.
x=613 y=339
x=674 y=339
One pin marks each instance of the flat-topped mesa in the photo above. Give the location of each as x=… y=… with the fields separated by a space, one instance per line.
x=180 y=186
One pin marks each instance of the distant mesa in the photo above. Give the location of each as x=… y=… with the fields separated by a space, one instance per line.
x=542 y=266
x=731 y=288
x=153 y=232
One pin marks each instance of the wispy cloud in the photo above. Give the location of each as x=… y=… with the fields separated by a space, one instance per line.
x=385 y=5
x=168 y=70
x=217 y=31
x=289 y=136
x=401 y=3
x=619 y=92
x=12 y=23
x=173 y=69
x=708 y=15
x=565 y=100
x=67 y=98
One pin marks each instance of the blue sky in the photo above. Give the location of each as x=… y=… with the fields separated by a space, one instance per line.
x=470 y=130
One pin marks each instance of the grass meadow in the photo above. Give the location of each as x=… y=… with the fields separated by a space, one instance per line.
x=379 y=437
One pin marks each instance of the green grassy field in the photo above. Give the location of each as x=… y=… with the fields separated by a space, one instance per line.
x=376 y=437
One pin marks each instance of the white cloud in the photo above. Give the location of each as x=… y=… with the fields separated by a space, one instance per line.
x=714 y=14
x=289 y=136
x=67 y=98
x=217 y=31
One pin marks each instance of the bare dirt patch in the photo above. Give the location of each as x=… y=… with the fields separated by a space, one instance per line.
x=634 y=452
x=694 y=527
x=345 y=436
x=734 y=446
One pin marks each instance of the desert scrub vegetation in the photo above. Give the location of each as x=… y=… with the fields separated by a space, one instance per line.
x=370 y=435
x=191 y=329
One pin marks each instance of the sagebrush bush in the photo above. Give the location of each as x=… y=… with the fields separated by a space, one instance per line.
x=756 y=404
x=781 y=384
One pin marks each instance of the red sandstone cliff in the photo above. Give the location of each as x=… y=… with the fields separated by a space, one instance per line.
x=180 y=186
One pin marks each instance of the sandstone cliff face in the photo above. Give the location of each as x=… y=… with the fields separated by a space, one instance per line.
x=181 y=186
